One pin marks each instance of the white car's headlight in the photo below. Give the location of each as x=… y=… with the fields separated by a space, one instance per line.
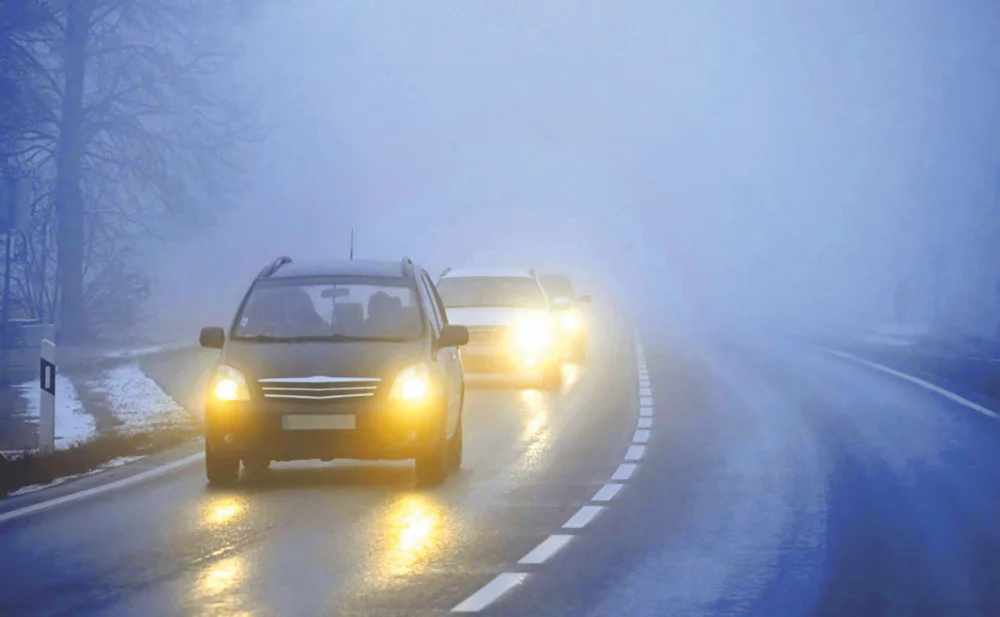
x=571 y=320
x=413 y=384
x=533 y=334
x=230 y=385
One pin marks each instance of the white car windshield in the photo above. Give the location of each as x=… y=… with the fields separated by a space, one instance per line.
x=501 y=291
x=330 y=309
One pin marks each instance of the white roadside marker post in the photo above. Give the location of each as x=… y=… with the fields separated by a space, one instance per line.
x=47 y=400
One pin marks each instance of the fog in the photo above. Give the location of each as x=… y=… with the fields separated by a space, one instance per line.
x=774 y=163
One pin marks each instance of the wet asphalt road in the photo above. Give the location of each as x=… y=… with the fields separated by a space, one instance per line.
x=776 y=480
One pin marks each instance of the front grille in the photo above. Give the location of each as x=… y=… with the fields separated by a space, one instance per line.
x=487 y=335
x=319 y=388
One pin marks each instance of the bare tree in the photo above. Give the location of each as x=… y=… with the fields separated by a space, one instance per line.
x=132 y=132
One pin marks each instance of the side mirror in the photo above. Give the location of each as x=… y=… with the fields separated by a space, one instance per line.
x=584 y=299
x=453 y=336
x=213 y=338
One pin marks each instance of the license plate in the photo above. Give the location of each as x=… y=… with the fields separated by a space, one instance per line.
x=316 y=422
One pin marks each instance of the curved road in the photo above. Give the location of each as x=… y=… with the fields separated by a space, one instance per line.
x=715 y=478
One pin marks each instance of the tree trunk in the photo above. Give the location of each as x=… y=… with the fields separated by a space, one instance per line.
x=69 y=155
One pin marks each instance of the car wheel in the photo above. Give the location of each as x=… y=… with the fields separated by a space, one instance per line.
x=455 y=448
x=553 y=377
x=256 y=465
x=221 y=470
x=431 y=465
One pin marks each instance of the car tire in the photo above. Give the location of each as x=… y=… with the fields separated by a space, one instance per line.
x=552 y=379
x=221 y=470
x=455 y=446
x=431 y=465
x=256 y=465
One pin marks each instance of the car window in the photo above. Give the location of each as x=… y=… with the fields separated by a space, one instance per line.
x=330 y=308
x=502 y=291
x=557 y=285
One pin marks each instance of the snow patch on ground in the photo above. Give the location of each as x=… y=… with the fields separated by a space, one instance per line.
x=73 y=424
x=138 y=401
x=146 y=351
x=115 y=462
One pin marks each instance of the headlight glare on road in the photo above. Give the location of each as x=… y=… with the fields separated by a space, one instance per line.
x=230 y=385
x=413 y=384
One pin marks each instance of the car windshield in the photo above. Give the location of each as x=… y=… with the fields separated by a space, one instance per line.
x=505 y=291
x=557 y=285
x=330 y=309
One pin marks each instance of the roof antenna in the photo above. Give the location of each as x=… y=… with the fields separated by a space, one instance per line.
x=352 y=244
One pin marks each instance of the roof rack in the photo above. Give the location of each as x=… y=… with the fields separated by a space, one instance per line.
x=407 y=266
x=272 y=267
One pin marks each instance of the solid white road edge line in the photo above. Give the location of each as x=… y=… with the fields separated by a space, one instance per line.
x=635 y=453
x=646 y=411
x=582 y=517
x=641 y=436
x=549 y=547
x=646 y=401
x=624 y=472
x=607 y=492
x=104 y=488
x=490 y=592
x=961 y=400
x=645 y=423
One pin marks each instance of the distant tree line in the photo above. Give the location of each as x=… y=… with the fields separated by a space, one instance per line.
x=115 y=110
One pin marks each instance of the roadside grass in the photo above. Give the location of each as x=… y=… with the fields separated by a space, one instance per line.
x=31 y=468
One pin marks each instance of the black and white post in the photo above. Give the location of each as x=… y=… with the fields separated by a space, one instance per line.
x=47 y=398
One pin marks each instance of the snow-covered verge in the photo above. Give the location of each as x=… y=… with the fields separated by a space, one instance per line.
x=73 y=424
x=116 y=462
x=138 y=402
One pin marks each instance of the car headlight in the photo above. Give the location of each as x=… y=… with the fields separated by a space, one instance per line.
x=230 y=385
x=533 y=335
x=413 y=384
x=571 y=321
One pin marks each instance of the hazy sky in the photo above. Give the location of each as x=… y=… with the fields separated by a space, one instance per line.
x=776 y=159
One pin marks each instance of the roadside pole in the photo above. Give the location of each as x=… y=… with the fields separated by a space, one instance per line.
x=47 y=398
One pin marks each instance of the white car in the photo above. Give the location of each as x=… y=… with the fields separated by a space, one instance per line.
x=511 y=321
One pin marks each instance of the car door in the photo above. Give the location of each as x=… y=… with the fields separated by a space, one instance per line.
x=447 y=357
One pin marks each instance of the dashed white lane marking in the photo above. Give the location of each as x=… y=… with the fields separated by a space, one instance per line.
x=645 y=392
x=646 y=411
x=549 y=547
x=624 y=472
x=490 y=592
x=646 y=401
x=582 y=517
x=643 y=383
x=104 y=488
x=607 y=492
x=645 y=423
x=641 y=436
x=961 y=400
x=635 y=453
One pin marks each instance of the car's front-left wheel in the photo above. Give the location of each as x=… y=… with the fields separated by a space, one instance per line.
x=220 y=469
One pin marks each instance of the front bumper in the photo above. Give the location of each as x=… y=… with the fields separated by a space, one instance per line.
x=498 y=359
x=382 y=431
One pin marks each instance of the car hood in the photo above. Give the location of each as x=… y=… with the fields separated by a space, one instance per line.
x=491 y=316
x=259 y=360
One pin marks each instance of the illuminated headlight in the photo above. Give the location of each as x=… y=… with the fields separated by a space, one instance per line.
x=413 y=384
x=533 y=335
x=230 y=385
x=571 y=321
